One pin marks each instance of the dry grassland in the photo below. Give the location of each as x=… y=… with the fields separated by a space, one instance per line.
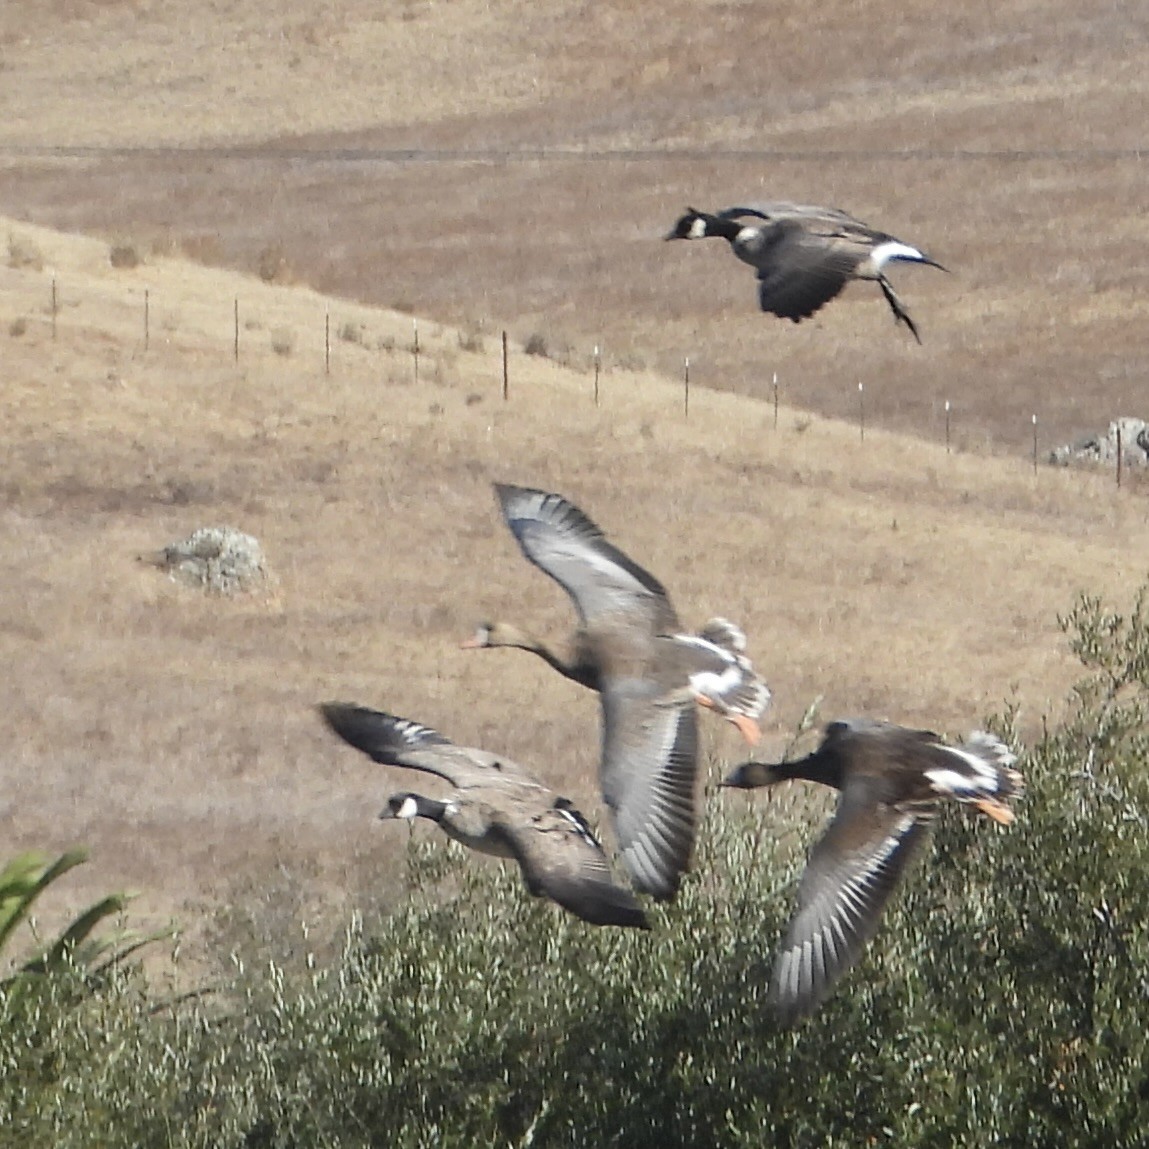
x=1005 y=138
x=176 y=735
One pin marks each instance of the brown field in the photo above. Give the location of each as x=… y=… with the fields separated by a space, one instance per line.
x=175 y=735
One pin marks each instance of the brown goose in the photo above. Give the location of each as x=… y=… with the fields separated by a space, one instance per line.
x=891 y=781
x=805 y=255
x=630 y=648
x=497 y=808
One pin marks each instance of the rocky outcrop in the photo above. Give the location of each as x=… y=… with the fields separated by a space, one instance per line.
x=1103 y=448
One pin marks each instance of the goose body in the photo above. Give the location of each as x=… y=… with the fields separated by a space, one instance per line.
x=805 y=255
x=496 y=808
x=649 y=674
x=891 y=780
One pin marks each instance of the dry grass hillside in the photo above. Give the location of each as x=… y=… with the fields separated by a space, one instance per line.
x=508 y=164
x=515 y=163
x=176 y=735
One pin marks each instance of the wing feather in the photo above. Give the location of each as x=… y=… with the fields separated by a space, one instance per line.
x=851 y=873
x=395 y=741
x=648 y=770
x=562 y=541
x=805 y=272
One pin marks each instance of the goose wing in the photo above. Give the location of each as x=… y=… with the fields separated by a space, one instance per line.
x=777 y=210
x=562 y=860
x=804 y=269
x=848 y=880
x=601 y=581
x=647 y=772
x=400 y=742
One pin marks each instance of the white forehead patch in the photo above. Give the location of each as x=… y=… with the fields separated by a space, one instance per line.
x=697 y=230
x=409 y=808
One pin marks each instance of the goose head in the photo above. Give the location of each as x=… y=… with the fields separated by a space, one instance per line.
x=693 y=225
x=407 y=807
x=752 y=775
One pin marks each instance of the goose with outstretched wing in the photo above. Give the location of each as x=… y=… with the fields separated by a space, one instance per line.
x=891 y=780
x=630 y=647
x=496 y=808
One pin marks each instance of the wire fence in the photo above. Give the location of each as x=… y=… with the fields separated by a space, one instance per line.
x=1115 y=449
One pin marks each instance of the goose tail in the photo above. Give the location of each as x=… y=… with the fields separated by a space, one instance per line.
x=981 y=771
x=731 y=687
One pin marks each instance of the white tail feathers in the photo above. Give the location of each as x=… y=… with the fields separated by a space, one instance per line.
x=724 y=633
x=980 y=772
x=990 y=748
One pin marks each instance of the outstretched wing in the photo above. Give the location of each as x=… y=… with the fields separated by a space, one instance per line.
x=849 y=877
x=559 y=539
x=399 y=742
x=648 y=769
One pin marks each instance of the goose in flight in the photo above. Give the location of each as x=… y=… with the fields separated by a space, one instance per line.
x=496 y=808
x=804 y=255
x=649 y=674
x=891 y=780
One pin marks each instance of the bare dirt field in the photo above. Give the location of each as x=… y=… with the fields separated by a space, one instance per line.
x=175 y=735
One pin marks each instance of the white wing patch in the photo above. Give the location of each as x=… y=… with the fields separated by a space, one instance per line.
x=619 y=575
x=414 y=733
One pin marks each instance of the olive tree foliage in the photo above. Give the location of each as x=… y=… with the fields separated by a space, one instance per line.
x=1003 y=1002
